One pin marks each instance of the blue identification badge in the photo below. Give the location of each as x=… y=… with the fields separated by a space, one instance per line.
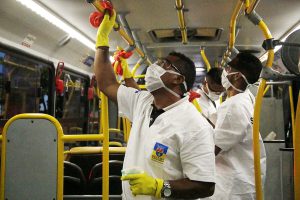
x=159 y=153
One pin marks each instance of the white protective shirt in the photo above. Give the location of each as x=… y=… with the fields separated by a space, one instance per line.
x=235 y=163
x=179 y=144
x=207 y=107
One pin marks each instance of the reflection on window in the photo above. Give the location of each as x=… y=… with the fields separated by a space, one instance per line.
x=24 y=84
x=71 y=106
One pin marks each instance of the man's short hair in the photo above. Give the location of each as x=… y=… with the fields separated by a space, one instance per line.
x=187 y=67
x=249 y=65
x=215 y=74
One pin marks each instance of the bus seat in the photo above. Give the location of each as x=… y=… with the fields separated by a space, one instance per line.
x=74 y=180
x=115 y=167
x=115 y=186
x=95 y=178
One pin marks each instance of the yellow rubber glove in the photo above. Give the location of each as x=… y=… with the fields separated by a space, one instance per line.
x=126 y=71
x=104 y=29
x=143 y=184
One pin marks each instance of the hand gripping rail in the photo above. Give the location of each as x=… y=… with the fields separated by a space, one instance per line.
x=117 y=27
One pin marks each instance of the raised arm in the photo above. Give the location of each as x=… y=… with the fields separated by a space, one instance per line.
x=104 y=73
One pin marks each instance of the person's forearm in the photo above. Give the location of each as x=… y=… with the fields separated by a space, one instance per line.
x=185 y=188
x=130 y=82
x=103 y=70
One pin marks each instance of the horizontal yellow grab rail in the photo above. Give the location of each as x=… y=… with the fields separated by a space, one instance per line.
x=115 y=130
x=95 y=150
x=140 y=76
x=87 y=137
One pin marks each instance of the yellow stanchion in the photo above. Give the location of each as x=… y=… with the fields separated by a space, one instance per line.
x=0 y=137
x=179 y=7
x=205 y=59
x=124 y=128
x=252 y=5
x=196 y=104
x=136 y=66
x=297 y=153
x=256 y=117
x=105 y=155
x=128 y=128
x=266 y=90
x=232 y=25
x=292 y=111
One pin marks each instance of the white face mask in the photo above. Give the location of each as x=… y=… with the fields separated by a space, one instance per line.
x=212 y=95
x=153 y=78
x=226 y=83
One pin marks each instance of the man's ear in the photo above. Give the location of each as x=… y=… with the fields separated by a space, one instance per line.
x=237 y=76
x=178 y=79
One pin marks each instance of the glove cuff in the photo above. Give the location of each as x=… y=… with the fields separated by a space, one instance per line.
x=160 y=183
x=102 y=41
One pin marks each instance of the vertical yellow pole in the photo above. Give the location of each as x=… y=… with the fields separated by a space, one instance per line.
x=105 y=153
x=205 y=60
x=266 y=90
x=196 y=104
x=124 y=129
x=292 y=112
x=256 y=117
x=297 y=153
x=128 y=128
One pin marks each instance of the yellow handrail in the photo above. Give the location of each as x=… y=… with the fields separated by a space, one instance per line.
x=140 y=76
x=256 y=117
x=251 y=6
x=182 y=26
x=95 y=150
x=266 y=90
x=136 y=66
x=292 y=107
x=0 y=137
x=297 y=153
x=85 y=137
x=98 y=6
x=142 y=86
x=128 y=128
x=205 y=59
x=105 y=155
x=232 y=25
x=196 y=104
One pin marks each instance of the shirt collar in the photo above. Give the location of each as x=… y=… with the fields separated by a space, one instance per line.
x=176 y=103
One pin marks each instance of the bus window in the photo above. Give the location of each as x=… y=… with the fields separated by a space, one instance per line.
x=72 y=106
x=25 y=85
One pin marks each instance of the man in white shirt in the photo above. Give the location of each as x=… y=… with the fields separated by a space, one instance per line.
x=210 y=92
x=233 y=132
x=170 y=152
